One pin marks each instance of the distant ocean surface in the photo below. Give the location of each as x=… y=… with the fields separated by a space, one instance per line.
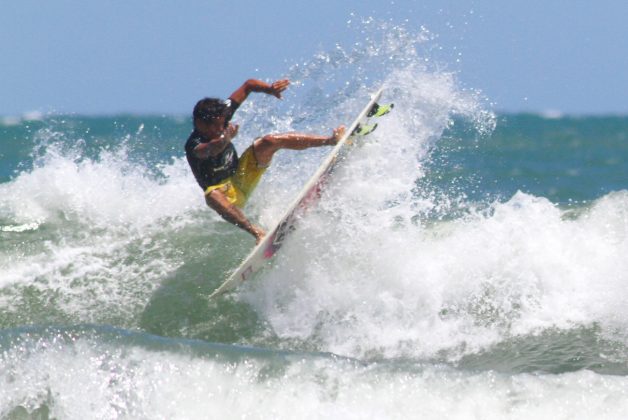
x=460 y=264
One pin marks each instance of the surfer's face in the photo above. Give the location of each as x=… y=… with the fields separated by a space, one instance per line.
x=211 y=129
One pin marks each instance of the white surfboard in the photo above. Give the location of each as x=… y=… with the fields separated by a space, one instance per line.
x=274 y=238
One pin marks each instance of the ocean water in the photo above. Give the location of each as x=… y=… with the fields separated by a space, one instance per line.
x=461 y=263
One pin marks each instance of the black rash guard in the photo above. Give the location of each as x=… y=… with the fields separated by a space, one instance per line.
x=214 y=169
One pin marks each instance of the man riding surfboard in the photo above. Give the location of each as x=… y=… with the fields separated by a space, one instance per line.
x=226 y=178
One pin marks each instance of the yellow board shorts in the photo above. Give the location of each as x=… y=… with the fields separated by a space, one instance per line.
x=238 y=187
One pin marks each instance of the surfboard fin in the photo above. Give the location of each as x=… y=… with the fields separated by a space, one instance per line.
x=364 y=129
x=378 y=110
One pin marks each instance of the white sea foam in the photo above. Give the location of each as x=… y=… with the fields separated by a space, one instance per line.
x=20 y=228
x=368 y=274
x=370 y=283
x=90 y=380
x=99 y=214
x=104 y=192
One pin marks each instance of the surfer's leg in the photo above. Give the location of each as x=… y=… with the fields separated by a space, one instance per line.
x=220 y=202
x=265 y=147
x=248 y=174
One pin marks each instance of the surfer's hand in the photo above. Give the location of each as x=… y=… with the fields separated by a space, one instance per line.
x=231 y=131
x=277 y=87
x=217 y=145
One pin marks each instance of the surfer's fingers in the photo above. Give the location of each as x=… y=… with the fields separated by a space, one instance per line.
x=281 y=85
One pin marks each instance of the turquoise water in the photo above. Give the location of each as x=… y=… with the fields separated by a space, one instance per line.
x=460 y=264
x=566 y=159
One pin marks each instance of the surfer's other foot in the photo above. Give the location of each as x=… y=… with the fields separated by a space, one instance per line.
x=337 y=135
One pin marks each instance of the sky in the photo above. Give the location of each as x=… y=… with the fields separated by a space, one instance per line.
x=157 y=56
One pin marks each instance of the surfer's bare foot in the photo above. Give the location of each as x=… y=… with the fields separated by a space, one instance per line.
x=259 y=234
x=337 y=135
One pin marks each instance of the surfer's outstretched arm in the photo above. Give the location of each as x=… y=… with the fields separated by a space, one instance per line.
x=254 y=85
x=232 y=214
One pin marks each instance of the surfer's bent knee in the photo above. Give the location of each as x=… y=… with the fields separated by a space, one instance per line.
x=264 y=148
x=265 y=143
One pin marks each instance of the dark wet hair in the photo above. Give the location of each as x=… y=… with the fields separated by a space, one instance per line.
x=209 y=108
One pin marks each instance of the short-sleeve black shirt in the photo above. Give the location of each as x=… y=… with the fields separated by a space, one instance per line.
x=214 y=169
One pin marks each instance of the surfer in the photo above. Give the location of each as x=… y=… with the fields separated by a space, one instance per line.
x=226 y=179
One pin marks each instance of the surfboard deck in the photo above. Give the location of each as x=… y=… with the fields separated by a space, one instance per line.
x=272 y=242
